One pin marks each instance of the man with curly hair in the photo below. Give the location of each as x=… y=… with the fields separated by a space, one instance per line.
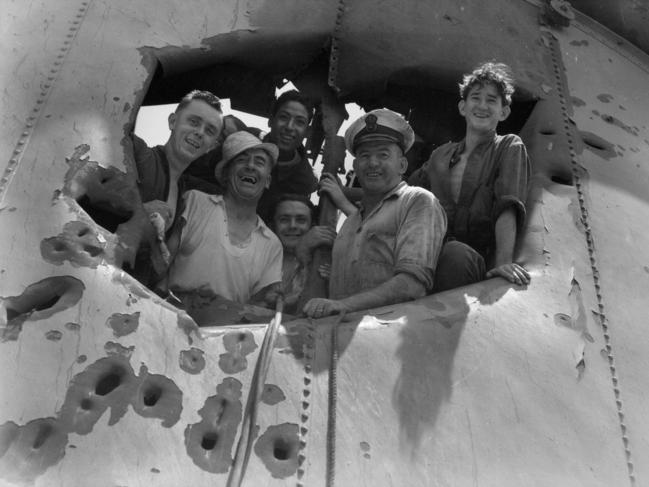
x=482 y=183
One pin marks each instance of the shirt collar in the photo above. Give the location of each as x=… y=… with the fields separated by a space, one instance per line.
x=459 y=148
x=393 y=193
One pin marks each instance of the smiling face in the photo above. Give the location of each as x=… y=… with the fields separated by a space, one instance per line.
x=249 y=174
x=379 y=166
x=292 y=220
x=289 y=125
x=194 y=131
x=483 y=108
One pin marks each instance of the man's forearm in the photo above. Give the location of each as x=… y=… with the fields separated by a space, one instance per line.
x=505 y=235
x=402 y=287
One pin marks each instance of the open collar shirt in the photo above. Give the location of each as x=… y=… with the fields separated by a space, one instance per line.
x=402 y=234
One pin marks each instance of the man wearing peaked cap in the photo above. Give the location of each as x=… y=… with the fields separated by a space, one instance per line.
x=386 y=251
x=221 y=246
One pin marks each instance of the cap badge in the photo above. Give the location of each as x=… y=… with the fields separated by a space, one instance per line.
x=370 y=122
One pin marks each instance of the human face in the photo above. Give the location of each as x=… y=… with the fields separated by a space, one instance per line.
x=194 y=131
x=289 y=125
x=379 y=166
x=483 y=108
x=292 y=220
x=249 y=174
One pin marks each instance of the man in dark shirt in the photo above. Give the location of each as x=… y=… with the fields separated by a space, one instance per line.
x=289 y=122
x=482 y=184
x=195 y=127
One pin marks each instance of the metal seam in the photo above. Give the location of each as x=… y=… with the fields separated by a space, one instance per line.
x=335 y=50
x=309 y=352
x=592 y=257
x=332 y=404
x=46 y=88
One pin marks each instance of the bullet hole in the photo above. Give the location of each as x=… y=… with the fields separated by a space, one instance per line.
x=281 y=449
x=209 y=441
x=92 y=250
x=77 y=243
x=237 y=345
x=547 y=132
x=151 y=396
x=109 y=382
x=44 y=431
x=562 y=180
x=272 y=395
x=81 y=359
x=278 y=449
x=39 y=301
x=86 y=404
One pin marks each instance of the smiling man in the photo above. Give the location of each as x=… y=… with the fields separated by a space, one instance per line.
x=195 y=127
x=482 y=183
x=386 y=251
x=289 y=122
x=221 y=246
x=293 y=219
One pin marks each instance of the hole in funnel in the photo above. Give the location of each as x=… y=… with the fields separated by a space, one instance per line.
x=209 y=440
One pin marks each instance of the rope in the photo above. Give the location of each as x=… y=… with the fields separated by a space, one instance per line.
x=247 y=436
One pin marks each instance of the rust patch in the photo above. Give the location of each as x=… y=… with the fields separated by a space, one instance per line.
x=238 y=344
x=209 y=442
x=272 y=395
x=53 y=335
x=278 y=449
x=112 y=348
x=28 y=451
x=123 y=324
x=39 y=301
x=192 y=361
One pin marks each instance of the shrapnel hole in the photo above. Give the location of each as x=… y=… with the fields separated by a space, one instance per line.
x=108 y=383
x=152 y=396
x=281 y=449
x=86 y=404
x=209 y=440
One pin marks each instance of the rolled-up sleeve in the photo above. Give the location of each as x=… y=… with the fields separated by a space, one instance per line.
x=420 y=236
x=512 y=182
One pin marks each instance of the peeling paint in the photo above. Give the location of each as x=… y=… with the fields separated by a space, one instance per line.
x=278 y=447
x=37 y=302
x=209 y=442
x=192 y=361
x=238 y=344
x=123 y=324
